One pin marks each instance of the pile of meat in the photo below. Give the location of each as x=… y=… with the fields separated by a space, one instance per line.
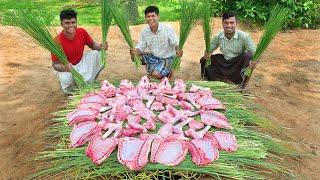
x=127 y=117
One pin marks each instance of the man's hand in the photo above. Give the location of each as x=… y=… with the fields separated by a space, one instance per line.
x=252 y=64
x=104 y=46
x=207 y=55
x=134 y=52
x=179 y=53
x=68 y=67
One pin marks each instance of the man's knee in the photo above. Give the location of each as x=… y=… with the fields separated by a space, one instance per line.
x=157 y=75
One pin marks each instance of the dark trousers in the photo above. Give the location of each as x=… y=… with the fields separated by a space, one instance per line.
x=221 y=68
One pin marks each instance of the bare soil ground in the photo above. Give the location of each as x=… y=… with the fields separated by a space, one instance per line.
x=286 y=84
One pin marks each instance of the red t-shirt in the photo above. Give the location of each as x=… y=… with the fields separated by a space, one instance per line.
x=74 y=48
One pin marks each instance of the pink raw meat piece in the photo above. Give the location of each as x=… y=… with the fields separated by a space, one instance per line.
x=185 y=105
x=203 y=151
x=119 y=100
x=165 y=116
x=150 y=117
x=100 y=149
x=179 y=86
x=210 y=103
x=94 y=97
x=83 y=132
x=129 y=132
x=122 y=112
x=167 y=99
x=144 y=82
x=197 y=134
x=166 y=130
x=157 y=106
x=169 y=151
x=108 y=89
x=196 y=125
x=125 y=86
x=132 y=95
x=134 y=123
x=214 y=118
x=191 y=97
x=133 y=152
x=225 y=140
x=82 y=115
x=137 y=105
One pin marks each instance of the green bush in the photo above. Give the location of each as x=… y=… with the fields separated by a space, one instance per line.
x=303 y=13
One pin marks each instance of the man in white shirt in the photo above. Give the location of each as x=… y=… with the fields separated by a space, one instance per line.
x=237 y=49
x=158 y=45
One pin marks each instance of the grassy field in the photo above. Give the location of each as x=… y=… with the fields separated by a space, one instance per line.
x=88 y=10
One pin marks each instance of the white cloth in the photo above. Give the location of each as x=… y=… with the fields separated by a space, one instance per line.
x=161 y=44
x=89 y=67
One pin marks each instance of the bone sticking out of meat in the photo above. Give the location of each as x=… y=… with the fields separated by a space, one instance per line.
x=100 y=149
x=170 y=151
x=83 y=132
x=133 y=152
x=111 y=128
x=203 y=151
x=197 y=134
x=214 y=118
x=177 y=129
x=82 y=115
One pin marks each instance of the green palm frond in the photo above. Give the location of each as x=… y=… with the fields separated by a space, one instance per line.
x=120 y=17
x=207 y=26
x=273 y=26
x=189 y=14
x=106 y=19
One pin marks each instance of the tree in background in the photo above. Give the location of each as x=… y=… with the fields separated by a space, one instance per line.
x=132 y=7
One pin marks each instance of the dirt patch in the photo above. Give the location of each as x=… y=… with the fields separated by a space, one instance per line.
x=286 y=84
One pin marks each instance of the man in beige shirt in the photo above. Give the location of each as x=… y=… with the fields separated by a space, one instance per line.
x=158 y=45
x=237 y=49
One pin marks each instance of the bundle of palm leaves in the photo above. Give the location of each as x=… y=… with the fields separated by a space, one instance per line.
x=273 y=26
x=258 y=155
x=189 y=14
x=120 y=17
x=42 y=35
x=106 y=18
x=207 y=26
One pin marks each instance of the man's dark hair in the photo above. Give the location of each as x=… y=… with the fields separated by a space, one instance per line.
x=227 y=15
x=68 y=14
x=151 y=9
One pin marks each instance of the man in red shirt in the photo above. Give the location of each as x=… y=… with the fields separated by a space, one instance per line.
x=73 y=41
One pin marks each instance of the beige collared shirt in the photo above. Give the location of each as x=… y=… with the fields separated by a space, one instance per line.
x=241 y=42
x=161 y=44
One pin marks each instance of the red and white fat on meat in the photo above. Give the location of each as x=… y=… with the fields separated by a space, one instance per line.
x=151 y=118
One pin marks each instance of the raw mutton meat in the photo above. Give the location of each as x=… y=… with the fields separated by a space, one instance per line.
x=168 y=151
x=124 y=117
x=133 y=152
x=100 y=149
x=203 y=151
x=83 y=132
x=82 y=115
